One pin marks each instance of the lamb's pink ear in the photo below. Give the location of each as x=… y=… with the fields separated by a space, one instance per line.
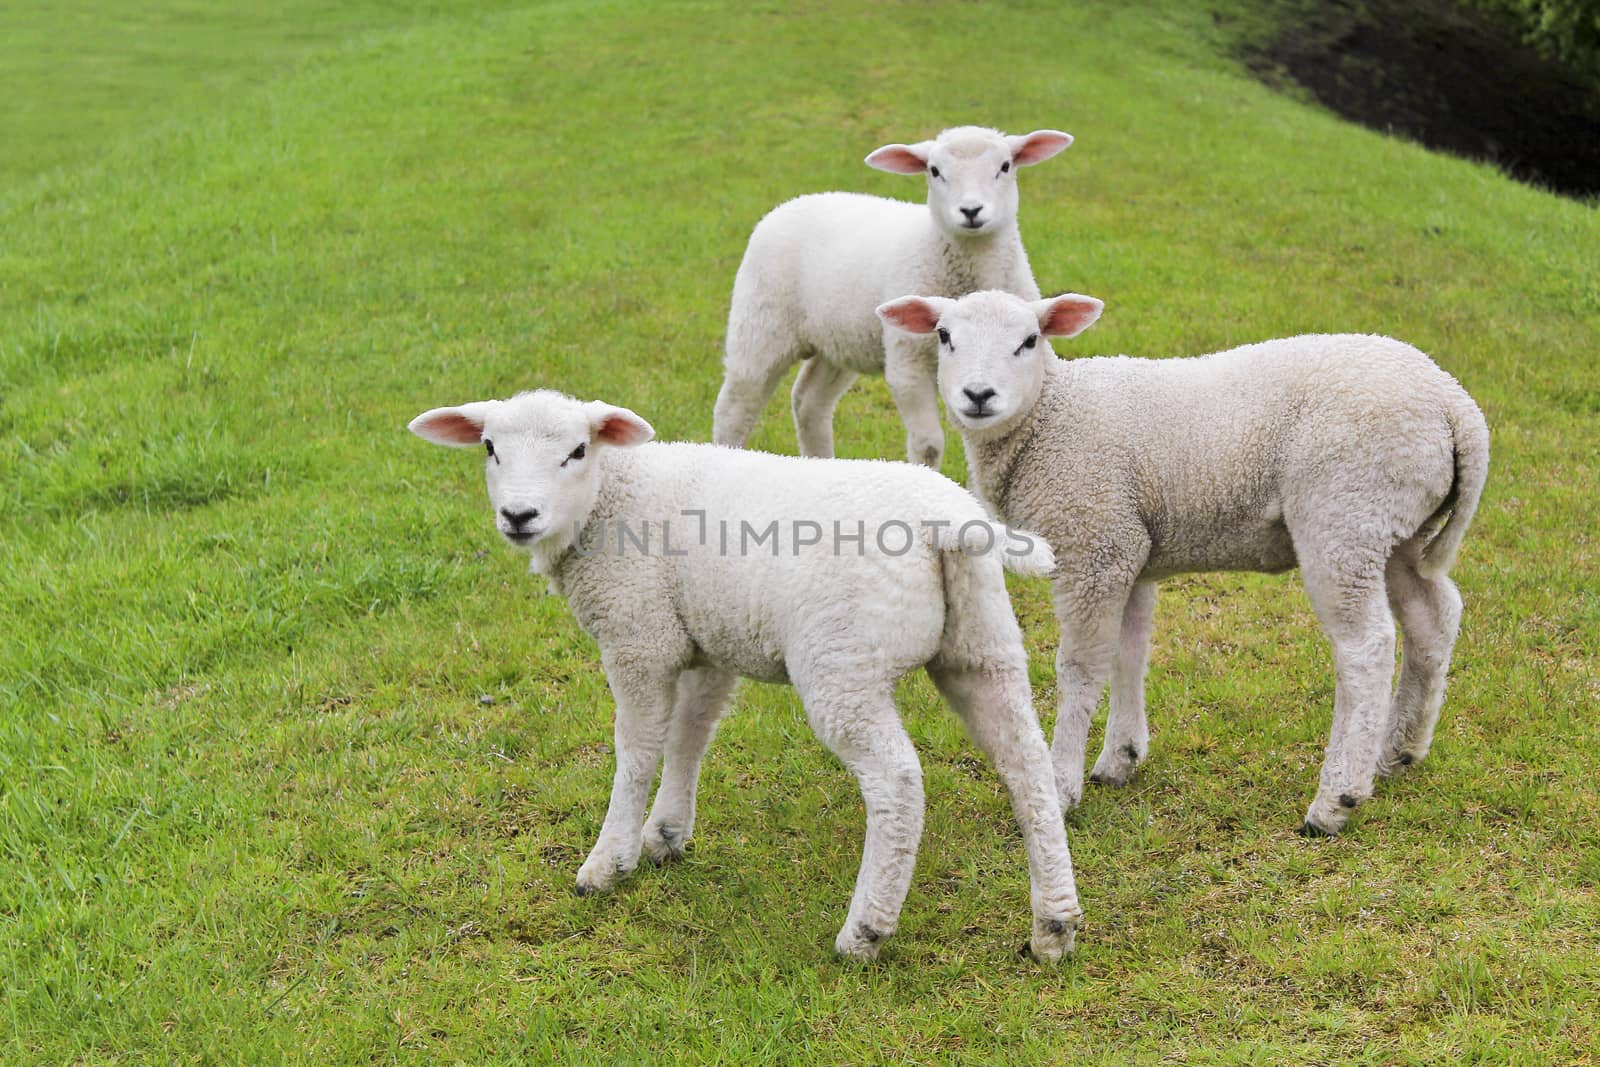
x=1066 y=315
x=901 y=158
x=915 y=314
x=1038 y=146
x=617 y=426
x=459 y=427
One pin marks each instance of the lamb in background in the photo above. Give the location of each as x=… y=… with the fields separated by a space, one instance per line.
x=1352 y=457
x=840 y=619
x=818 y=265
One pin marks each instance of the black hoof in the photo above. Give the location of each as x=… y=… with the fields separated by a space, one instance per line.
x=584 y=890
x=1311 y=829
x=1407 y=760
x=1097 y=780
x=1025 y=951
x=1347 y=801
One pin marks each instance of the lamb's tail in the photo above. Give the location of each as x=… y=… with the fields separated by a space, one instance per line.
x=1018 y=551
x=1470 y=444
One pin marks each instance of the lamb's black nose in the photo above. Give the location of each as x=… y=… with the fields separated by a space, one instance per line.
x=978 y=396
x=519 y=519
x=972 y=213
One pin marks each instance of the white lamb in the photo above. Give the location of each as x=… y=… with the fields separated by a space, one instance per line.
x=817 y=266
x=1354 y=458
x=692 y=564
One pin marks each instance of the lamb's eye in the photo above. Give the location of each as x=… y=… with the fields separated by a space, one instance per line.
x=944 y=336
x=1032 y=340
x=576 y=453
x=933 y=171
x=1006 y=166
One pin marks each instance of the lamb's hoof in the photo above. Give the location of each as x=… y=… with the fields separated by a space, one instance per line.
x=1395 y=762
x=1327 y=815
x=664 y=844
x=600 y=875
x=859 y=942
x=1115 y=768
x=1053 y=938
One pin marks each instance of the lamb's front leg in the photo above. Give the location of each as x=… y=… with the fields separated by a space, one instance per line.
x=1127 y=730
x=910 y=367
x=1091 y=619
x=645 y=696
x=702 y=698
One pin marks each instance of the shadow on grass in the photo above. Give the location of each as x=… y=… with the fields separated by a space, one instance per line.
x=1441 y=74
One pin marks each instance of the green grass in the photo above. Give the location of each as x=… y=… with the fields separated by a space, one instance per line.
x=251 y=807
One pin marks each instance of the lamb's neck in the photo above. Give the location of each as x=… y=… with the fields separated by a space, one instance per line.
x=989 y=261
x=993 y=462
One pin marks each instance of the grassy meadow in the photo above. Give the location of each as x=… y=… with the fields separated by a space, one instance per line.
x=253 y=805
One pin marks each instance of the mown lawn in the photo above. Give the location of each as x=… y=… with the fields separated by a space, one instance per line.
x=252 y=805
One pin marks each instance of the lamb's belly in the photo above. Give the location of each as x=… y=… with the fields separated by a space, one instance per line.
x=740 y=645
x=754 y=666
x=880 y=617
x=855 y=345
x=863 y=355
x=1263 y=546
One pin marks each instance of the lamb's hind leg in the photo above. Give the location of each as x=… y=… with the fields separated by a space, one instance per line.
x=1127 y=730
x=997 y=707
x=702 y=697
x=859 y=724
x=817 y=389
x=1351 y=606
x=755 y=361
x=1429 y=613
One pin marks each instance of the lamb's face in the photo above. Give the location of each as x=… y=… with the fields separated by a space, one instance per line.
x=992 y=352
x=539 y=457
x=991 y=362
x=538 y=464
x=972 y=174
x=972 y=184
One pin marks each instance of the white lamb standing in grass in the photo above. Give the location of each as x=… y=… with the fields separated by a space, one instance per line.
x=1352 y=457
x=841 y=621
x=818 y=266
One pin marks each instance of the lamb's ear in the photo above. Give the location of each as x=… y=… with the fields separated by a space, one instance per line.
x=1038 y=146
x=915 y=314
x=901 y=158
x=459 y=427
x=617 y=426
x=1066 y=315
